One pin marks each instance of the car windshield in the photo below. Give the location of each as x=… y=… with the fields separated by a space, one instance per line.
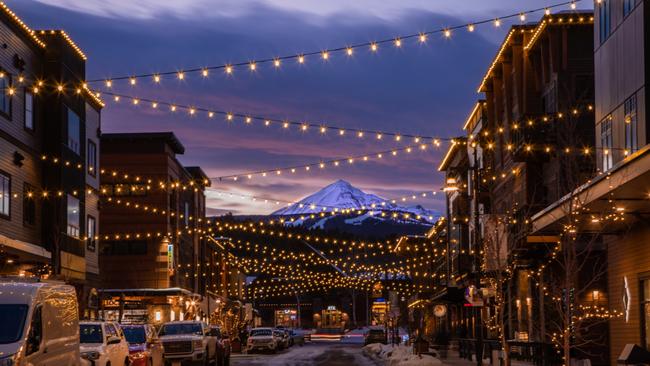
x=134 y=335
x=191 y=328
x=376 y=332
x=260 y=332
x=12 y=318
x=90 y=333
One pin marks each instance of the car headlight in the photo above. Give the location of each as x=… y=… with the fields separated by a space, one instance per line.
x=198 y=344
x=92 y=355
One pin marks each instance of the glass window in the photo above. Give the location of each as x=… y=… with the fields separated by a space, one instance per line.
x=186 y=213
x=5 y=97
x=73 y=216
x=90 y=333
x=604 y=20
x=74 y=131
x=631 y=125
x=35 y=332
x=645 y=308
x=29 y=110
x=5 y=194
x=29 y=205
x=91 y=231
x=628 y=6
x=606 y=142
x=182 y=328
x=12 y=318
x=110 y=330
x=134 y=334
x=91 y=160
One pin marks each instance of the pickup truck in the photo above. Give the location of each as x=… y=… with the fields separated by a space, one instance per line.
x=188 y=341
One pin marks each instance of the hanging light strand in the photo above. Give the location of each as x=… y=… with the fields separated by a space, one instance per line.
x=372 y=46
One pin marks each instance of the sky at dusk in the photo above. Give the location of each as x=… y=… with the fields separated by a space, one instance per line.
x=419 y=89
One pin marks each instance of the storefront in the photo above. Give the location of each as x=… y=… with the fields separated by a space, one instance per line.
x=331 y=319
x=287 y=318
x=379 y=311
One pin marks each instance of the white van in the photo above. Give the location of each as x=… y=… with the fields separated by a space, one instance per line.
x=39 y=323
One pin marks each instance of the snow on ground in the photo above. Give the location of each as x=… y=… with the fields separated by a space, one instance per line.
x=399 y=355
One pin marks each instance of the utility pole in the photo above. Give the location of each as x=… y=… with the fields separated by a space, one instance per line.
x=477 y=255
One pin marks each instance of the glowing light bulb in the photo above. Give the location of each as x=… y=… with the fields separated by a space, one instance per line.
x=470 y=27
x=373 y=47
x=109 y=83
x=497 y=22
x=228 y=69
x=156 y=78
x=276 y=62
x=522 y=17
x=447 y=33
x=173 y=108
x=573 y=5
x=547 y=11
x=181 y=75
x=325 y=55
x=204 y=72
x=301 y=59
x=398 y=42
x=422 y=38
x=132 y=81
x=253 y=66
x=349 y=51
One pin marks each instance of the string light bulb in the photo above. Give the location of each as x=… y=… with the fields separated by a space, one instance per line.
x=181 y=75
x=470 y=27
x=423 y=38
x=156 y=78
x=253 y=66
x=325 y=55
x=276 y=62
x=373 y=47
x=497 y=22
x=205 y=72
x=398 y=42
x=349 y=51
x=109 y=83
x=132 y=81
x=301 y=59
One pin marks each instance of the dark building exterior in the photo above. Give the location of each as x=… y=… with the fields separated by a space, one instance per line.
x=48 y=157
x=153 y=224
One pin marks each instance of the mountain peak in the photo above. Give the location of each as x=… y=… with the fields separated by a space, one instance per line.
x=343 y=195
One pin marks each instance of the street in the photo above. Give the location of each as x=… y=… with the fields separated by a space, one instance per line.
x=321 y=354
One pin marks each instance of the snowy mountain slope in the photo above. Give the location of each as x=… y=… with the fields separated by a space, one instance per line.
x=343 y=195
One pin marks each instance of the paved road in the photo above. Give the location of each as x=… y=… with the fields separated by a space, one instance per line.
x=312 y=354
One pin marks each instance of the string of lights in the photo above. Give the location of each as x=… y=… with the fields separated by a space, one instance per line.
x=322 y=164
x=327 y=54
x=250 y=119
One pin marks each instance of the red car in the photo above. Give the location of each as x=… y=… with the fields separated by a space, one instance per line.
x=144 y=347
x=223 y=346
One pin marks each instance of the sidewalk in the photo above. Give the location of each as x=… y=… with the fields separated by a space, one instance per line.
x=454 y=360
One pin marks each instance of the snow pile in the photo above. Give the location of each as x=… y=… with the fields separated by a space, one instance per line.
x=398 y=355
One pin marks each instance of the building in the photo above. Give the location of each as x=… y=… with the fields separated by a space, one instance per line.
x=48 y=203
x=615 y=201
x=155 y=260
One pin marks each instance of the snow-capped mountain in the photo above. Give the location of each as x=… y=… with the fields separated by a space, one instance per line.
x=342 y=195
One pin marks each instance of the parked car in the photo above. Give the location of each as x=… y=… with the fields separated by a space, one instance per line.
x=297 y=337
x=187 y=341
x=145 y=349
x=262 y=339
x=39 y=323
x=223 y=346
x=375 y=335
x=103 y=344
x=283 y=338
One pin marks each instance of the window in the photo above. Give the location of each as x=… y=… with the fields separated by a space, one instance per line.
x=628 y=6
x=5 y=194
x=29 y=110
x=35 y=332
x=186 y=213
x=73 y=216
x=631 y=125
x=74 y=131
x=604 y=20
x=91 y=159
x=91 y=231
x=5 y=98
x=606 y=142
x=29 y=205
x=645 y=312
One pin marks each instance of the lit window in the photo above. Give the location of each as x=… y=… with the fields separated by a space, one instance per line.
x=631 y=125
x=91 y=160
x=606 y=142
x=73 y=216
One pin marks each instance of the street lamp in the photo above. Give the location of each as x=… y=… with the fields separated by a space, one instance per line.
x=450 y=187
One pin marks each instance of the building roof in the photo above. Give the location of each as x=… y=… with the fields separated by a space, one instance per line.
x=166 y=137
x=198 y=174
x=472 y=114
x=24 y=28
x=504 y=45
x=564 y=18
x=453 y=147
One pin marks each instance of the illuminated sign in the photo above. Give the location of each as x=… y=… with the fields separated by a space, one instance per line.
x=331 y=307
x=170 y=257
x=627 y=299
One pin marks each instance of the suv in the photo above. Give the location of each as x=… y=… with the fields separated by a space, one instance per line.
x=262 y=339
x=38 y=322
x=103 y=344
x=188 y=341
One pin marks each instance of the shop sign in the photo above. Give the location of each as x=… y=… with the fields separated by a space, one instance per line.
x=440 y=310
x=170 y=257
x=331 y=307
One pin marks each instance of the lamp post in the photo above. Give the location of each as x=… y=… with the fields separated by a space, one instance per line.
x=449 y=188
